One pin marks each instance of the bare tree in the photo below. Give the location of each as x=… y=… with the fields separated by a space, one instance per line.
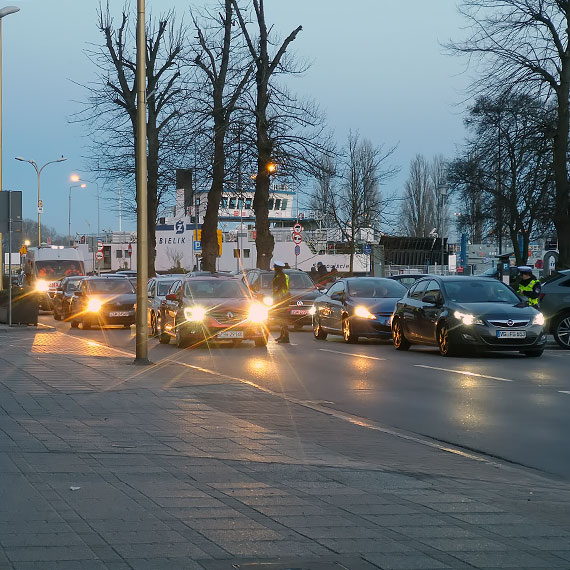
x=525 y=43
x=111 y=110
x=322 y=197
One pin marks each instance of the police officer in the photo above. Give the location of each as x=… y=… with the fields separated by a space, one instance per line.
x=529 y=285
x=281 y=295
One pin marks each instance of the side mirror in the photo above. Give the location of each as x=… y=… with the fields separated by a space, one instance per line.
x=338 y=296
x=431 y=299
x=172 y=297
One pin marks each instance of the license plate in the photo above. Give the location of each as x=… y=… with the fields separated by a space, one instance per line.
x=511 y=334
x=230 y=334
x=120 y=314
x=299 y=311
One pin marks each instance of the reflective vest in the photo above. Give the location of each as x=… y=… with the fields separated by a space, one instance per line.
x=528 y=288
x=280 y=290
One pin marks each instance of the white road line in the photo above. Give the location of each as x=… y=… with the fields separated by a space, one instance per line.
x=563 y=392
x=351 y=354
x=464 y=373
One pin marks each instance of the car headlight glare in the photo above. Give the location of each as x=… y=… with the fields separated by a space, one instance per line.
x=363 y=313
x=258 y=313
x=538 y=319
x=467 y=319
x=313 y=310
x=42 y=286
x=195 y=314
x=268 y=300
x=94 y=305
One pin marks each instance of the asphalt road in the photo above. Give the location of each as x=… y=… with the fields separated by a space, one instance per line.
x=502 y=405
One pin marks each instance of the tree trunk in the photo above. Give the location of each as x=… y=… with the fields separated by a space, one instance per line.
x=264 y=240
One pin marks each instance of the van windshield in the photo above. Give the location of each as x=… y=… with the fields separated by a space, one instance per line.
x=58 y=268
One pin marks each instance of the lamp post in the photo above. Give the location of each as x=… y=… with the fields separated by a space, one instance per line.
x=442 y=189
x=77 y=178
x=38 y=170
x=3 y=12
x=69 y=210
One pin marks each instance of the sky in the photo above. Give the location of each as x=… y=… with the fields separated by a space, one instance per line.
x=377 y=67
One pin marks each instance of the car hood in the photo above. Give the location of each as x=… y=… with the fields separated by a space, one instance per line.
x=384 y=305
x=495 y=310
x=221 y=304
x=123 y=299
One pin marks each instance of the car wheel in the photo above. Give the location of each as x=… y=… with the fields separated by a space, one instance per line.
x=561 y=330
x=74 y=324
x=153 y=331
x=533 y=353
x=261 y=341
x=446 y=345
x=85 y=325
x=56 y=315
x=181 y=340
x=318 y=331
x=400 y=340
x=163 y=337
x=347 y=333
x=298 y=327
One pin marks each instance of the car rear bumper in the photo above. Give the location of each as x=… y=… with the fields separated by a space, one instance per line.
x=381 y=327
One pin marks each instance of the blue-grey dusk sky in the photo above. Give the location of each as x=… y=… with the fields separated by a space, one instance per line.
x=377 y=67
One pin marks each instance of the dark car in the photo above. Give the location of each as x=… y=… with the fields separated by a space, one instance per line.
x=459 y=312
x=103 y=301
x=212 y=307
x=555 y=304
x=64 y=295
x=407 y=279
x=357 y=307
x=303 y=294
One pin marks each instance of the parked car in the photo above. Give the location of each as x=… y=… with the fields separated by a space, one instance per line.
x=457 y=313
x=103 y=301
x=407 y=279
x=212 y=308
x=302 y=288
x=357 y=307
x=555 y=304
x=157 y=290
x=64 y=295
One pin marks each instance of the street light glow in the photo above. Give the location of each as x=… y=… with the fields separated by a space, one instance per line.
x=74 y=178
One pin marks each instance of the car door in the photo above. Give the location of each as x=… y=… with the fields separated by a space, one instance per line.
x=411 y=307
x=336 y=296
x=428 y=314
x=170 y=306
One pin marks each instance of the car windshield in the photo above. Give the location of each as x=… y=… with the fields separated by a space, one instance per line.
x=74 y=284
x=162 y=287
x=375 y=288
x=479 y=291
x=214 y=289
x=115 y=286
x=296 y=281
x=58 y=268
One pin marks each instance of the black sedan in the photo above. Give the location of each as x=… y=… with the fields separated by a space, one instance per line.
x=64 y=295
x=407 y=279
x=479 y=313
x=357 y=307
x=103 y=301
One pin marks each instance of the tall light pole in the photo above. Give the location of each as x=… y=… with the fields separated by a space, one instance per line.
x=141 y=338
x=3 y=12
x=77 y=178
x=442 y=189
x=69 y=209
x=38 y=170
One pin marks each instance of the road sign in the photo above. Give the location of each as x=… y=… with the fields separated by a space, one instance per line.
x=130 y=250
x=23 y=250
x=99 y=256
x=366 y=249
x=298 y=228
x=197 y=246
x=40 y=209
x=297 y=249
x=297 y=238
x=99 y=244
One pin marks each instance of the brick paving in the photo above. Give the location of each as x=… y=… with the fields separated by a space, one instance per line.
x=105 y=465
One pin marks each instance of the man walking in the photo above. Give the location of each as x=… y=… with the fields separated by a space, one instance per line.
x=281 y=295
x=529 y=286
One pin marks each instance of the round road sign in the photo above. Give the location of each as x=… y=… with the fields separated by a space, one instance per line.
x=298 y=228
x=297 y=249
x=297 y=238
x=99 y=256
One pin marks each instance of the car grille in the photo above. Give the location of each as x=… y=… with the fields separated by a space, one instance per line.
x=224 y=318
x=117 y=307
x=509 y=323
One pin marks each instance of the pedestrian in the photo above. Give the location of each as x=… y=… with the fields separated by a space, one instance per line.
x=322 y=272
x=281 y=295
x=334 y=273
x=529 y=285
x=314 y=275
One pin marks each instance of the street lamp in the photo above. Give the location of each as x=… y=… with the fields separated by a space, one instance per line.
x=3 y=12
x=69 y=210
x=38 y=170
x=77 y=178
x=442 y=189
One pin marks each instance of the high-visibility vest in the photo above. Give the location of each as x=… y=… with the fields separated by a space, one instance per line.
x=283 y=292
x=529 y=287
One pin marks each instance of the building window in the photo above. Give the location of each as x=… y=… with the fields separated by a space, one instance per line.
x=224 y=202
x=118 y=253
x=248 y=203
x=246 y=253
x=270 y=204
x=197 y=201
x=278 y=204
x=240 y=203
x=232 y=203
x=283 y=204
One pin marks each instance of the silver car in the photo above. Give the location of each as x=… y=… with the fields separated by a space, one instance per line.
x=555 y=304
x=157 y=289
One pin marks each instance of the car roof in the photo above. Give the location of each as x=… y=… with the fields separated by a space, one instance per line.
x=217 y=277
x=464 y=278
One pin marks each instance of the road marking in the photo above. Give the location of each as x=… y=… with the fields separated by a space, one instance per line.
x=351 y=354
x=563 y=392
x=464 y=373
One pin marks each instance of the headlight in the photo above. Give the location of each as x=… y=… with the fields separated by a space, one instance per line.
x=312 y=310
x=268 y=301
x=467 y=319
x=258 y=313
x=538 y=319
x=195 y=314
x=42 y=286
x=94 y=305
x=363 y=313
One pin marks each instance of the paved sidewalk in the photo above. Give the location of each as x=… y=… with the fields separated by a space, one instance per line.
x=106 y=465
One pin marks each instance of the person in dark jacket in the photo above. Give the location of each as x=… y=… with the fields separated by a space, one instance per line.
x=529 y=286
x=281 y=295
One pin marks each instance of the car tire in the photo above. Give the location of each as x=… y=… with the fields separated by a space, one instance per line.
x=444 y=342
x=298 y=327
x=318 y=331
x=85 y=325
x=56 y=315
x=347 y=334
x=153 y=327
x=398 y=336
x=261 y=342
x=561 y=330
x=533 y=353
x=163 y=338
x=74 y=324
x=181 y=340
